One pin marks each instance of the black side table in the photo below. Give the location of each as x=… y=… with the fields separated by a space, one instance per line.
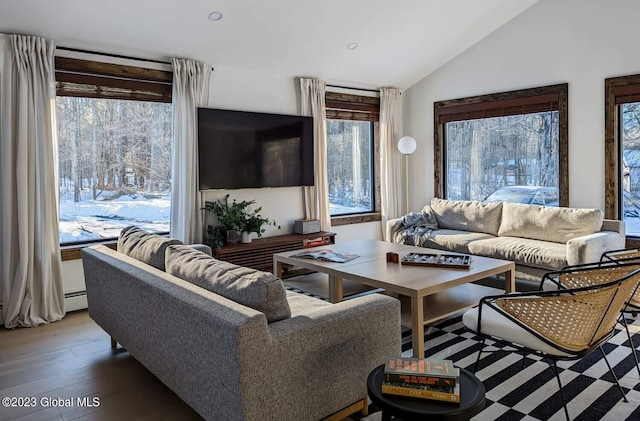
x=410 y=409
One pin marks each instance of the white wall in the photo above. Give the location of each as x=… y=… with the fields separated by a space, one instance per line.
x=581 y=42
x=252 y=91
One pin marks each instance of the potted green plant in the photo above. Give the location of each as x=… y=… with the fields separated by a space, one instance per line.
x=233 y=217
x=255 y=223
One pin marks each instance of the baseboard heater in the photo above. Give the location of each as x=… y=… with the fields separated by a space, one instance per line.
x=72 y=301
x=75 y=300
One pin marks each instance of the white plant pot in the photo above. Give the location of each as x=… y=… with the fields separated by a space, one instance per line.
x=246 y=237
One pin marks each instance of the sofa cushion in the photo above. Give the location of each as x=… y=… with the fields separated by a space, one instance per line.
x=467 y=215
x=522 y=251
x=301 y=304
x=144 y=246
x=547 y=223
x=454 y=240
x=261 y=291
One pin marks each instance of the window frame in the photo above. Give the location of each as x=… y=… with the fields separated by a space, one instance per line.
x=617 y=91
x=341 y=106
x=523 y=101
x=84 y=79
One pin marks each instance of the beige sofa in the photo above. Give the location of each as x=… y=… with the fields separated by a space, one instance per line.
x=537 y=238
x=231 y=341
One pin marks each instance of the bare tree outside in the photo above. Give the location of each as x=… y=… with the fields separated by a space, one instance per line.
x=630 y=117
x=484 y=155
x=114 y=166
x=350 y=166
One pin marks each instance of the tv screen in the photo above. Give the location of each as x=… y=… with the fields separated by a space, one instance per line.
x=241 y=149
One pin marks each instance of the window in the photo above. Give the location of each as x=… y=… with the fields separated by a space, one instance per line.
x=350 y=166
x=114 y=149
x=351 y=145
x=622 y=153
x=510 y=146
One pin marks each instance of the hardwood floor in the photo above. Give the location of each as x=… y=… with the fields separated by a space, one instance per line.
x=72 y=359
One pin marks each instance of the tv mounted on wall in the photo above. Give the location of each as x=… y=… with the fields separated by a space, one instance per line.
x=241 y=149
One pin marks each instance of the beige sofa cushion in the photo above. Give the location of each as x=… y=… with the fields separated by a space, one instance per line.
x=144 y=246
x=454 y=240
x=467 y=215
x=262 y=291
x=522 y=251
x=547 y=223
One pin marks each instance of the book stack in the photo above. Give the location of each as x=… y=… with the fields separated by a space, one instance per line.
x=314 y=242
x=422 y=378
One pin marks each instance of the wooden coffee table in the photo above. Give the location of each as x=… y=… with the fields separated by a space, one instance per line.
x=434 y=293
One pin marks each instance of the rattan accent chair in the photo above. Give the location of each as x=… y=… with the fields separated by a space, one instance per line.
x=561 y=324
x=627 y=257
x=631 y=255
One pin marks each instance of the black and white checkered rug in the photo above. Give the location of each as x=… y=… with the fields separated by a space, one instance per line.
x=530 y=392
x=514 y=392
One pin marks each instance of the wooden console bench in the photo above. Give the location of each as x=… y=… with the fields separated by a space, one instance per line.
x=258 y=254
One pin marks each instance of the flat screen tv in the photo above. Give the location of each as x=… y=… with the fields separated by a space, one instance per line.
x=241 y=149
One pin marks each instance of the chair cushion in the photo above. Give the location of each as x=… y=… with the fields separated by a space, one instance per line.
x=522 y=251
x=548 y=223
x=468 y=215
x=145 y=246
x=262 y=291
x=497 y=324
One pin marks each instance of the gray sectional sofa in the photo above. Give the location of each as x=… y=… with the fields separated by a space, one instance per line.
x=537 y=238
x=231 y=341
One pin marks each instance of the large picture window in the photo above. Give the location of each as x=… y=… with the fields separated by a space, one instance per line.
x=622 y=153
x=351 y=152
x=510 y=146
x=114 y=149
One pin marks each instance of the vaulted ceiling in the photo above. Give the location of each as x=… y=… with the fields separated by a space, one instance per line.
x=398 y=42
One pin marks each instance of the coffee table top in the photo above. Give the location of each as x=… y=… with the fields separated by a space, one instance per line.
x=373 y=269
x=472 y=400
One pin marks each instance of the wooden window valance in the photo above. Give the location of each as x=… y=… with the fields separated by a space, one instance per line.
x=83 y=78
x=351 y=107
x=527 y=101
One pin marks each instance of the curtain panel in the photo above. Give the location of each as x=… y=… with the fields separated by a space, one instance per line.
x=316 y=198
x=190 y=91
x=391 y=190
x=32 y=291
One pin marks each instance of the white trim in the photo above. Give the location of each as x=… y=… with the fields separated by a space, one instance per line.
x=352 y=91
x=75 y=301
x=114 y=60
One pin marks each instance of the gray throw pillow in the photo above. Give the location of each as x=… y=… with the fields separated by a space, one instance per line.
x=145 y=246
x=262 y=291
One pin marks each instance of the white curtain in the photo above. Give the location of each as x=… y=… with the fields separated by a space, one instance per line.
x=391 y=187
x=32 y=291
x=317 y=198
x=190 y=91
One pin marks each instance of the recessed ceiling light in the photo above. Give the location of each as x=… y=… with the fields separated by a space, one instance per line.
x=352 y=46
x=214 y=16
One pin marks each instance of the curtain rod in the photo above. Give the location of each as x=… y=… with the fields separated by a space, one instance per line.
x=78 y=50
x=355 y=89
